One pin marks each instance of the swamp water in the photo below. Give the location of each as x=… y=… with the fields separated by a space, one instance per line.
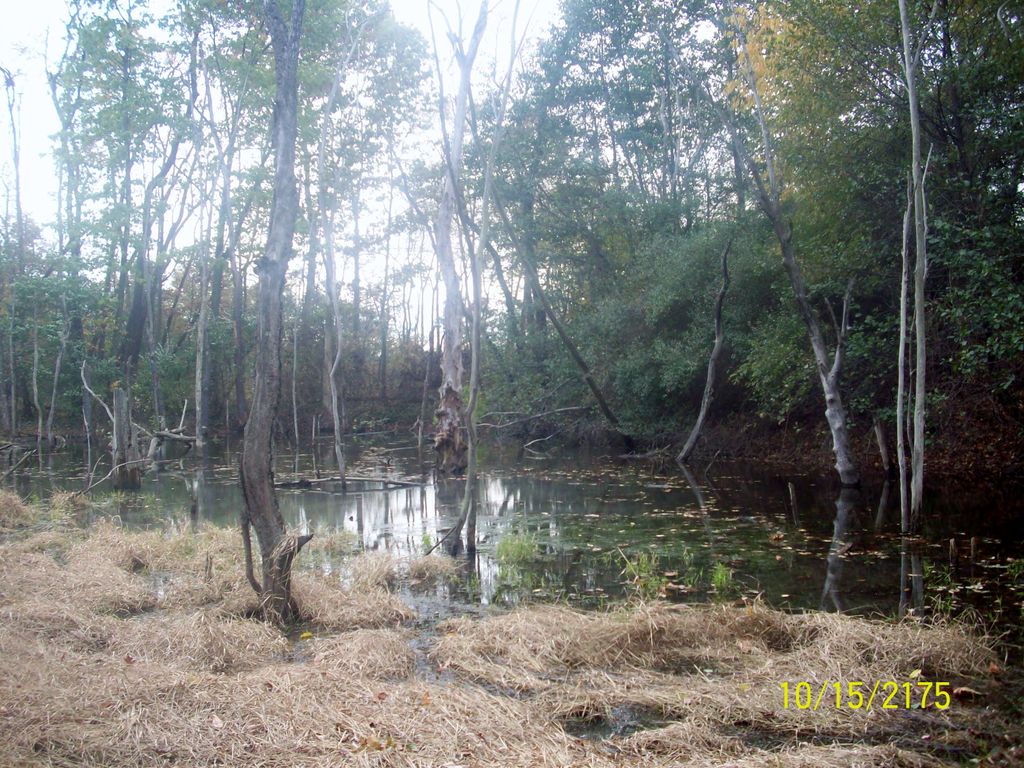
x=588 y=529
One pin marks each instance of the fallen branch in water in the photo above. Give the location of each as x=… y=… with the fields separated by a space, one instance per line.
x=525 y=419
x=109 y=475
x=310 y=482
x=21 y=461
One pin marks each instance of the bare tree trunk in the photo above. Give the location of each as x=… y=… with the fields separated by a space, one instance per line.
x=14 y=113
x=335 y=371
x=468 y=513
x=202 y=397
x=527 y=258
x=65 y=332
x=10 y=360
x=901 y=368
x=883 y=446
x=260 y=510
x=449 y=434
x=716 y=351
x=328 y=359
x=295 y=393
x=326 y=219
x=385 y=317
x=238 y=329
x=911 y=59
x=35 y=385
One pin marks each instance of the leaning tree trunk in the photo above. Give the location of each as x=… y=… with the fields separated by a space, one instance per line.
x=770 y=196
x=716 y=352
x=260 y=510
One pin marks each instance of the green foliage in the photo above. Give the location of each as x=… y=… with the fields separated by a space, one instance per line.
x=777 y=367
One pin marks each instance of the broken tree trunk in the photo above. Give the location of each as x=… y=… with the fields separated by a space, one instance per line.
x=450 y=432
x=716 y=351
x=127 y=455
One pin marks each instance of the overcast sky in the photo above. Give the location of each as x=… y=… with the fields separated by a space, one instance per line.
x=29 y=29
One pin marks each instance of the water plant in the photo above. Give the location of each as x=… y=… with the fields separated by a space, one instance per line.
x=721 y=578
x=642 y=576
x=515 y=548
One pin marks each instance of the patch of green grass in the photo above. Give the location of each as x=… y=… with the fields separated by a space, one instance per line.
x=642 y=575
x=515 y=548
x=721 y=579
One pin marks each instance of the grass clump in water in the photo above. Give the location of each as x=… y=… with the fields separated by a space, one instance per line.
x=642 y=576
x=515 y=548
x=15 y=513
x=722 y=579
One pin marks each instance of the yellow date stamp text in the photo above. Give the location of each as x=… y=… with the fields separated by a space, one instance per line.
x=881 y=694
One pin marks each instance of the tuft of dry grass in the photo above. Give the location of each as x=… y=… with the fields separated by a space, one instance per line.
x=327 y=604
x=432 y=569
x=373 y=570
x=374 y=654
x=66 y=504
x=711 y=668
x=15 y=513
x=203 y=641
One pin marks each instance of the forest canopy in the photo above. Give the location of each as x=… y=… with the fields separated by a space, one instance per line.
x=628 y=146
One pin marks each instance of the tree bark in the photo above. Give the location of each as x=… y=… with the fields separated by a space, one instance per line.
x=901 y=368
x=127 y=456
x=260 y=509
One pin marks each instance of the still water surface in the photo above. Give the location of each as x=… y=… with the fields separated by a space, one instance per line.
x=582 y=525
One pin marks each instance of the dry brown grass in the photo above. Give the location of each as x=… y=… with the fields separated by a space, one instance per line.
x=432 y=569
x=66 y=504
x=374 y=570
x=127 y=649
x=204 y=641
x=374 y=654
x=328 y=605
x=15 y=513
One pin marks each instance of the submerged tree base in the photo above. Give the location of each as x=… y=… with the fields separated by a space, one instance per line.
x=121 y=649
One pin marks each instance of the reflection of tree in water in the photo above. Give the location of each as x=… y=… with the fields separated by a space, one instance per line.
x=911 y=577
x=842 y=541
